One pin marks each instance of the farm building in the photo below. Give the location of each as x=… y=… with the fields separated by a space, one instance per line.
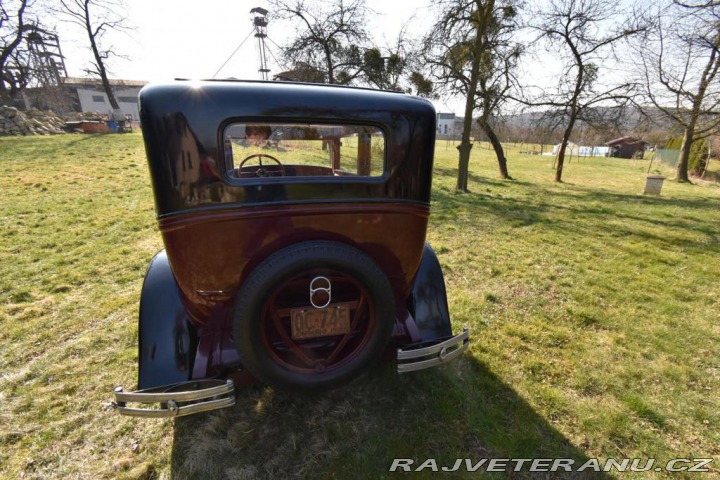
x=626 y=147
x=85 y=95
x=92 y=98
x=448 y=125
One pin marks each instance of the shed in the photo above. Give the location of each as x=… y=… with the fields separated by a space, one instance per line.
x=626 y=147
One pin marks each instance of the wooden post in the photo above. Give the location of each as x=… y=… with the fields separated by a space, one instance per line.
x=335 y=152
x=652 y=157
x=364 y=160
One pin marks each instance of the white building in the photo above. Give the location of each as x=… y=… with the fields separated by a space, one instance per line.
x=447 y=125
x=91 y=96
x=574 y=150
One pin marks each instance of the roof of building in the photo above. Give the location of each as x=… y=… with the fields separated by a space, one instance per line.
x=626 y=139
x=93 y=82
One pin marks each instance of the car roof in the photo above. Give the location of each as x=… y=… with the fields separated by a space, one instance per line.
x=175 y=115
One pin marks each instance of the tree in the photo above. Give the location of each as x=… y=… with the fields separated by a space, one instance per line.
x=332 y=45
x=545 y=126
x=327 y=37
x=14 y=74
x=680 y=63
x=585 y=32
x=470 y=52
x=97 y=18
x=386 y=70
x=396 y=67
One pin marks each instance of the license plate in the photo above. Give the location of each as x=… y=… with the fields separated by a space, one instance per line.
x=320 y=322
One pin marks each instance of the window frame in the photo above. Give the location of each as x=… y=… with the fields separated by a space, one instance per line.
x=252 y=181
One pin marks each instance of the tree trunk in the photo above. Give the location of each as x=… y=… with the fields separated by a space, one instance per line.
x=465 y=144
x=497 y=146
x=563 y=146
x=108 y=89
x=329 y=64
x=463 y=165
x=99 y=60
x=681 y=174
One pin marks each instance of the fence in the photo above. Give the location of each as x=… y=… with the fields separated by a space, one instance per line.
x=668 y=156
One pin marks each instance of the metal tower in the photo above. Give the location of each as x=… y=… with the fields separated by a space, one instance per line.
x=46 y=59
x=260 y=24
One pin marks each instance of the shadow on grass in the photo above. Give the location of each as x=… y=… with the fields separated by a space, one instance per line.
x=586 y=211
x=86 y=137
x=461 y=410
x=477 y=181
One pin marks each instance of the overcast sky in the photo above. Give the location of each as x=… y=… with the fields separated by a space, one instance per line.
x=191 y=39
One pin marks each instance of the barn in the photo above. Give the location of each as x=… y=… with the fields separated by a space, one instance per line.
x=626 y=147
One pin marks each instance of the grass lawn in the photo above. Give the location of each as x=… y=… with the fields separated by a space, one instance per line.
x=595 y=317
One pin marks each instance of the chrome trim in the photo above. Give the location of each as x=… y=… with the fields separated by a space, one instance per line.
x=177 y=400
x=214 y=294
x=314 y=289
x=420 y=358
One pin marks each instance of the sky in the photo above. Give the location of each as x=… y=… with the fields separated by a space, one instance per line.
x=191 y=39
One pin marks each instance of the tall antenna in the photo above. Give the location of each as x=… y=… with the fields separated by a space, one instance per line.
x=260 y=23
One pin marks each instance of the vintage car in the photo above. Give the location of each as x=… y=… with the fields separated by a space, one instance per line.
x=294 y=219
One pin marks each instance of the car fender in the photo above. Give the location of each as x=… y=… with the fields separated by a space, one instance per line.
x=428 y=302
x=164 y=329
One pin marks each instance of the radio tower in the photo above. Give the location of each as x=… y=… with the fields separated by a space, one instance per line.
x=260 y=23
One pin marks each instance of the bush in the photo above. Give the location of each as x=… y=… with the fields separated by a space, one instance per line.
x=698 y=153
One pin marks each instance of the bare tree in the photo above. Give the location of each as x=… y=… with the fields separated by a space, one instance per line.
x=14 y=70
x=332 y=45
x=470 y=52
x=327 y=37
x=96 y=18
x=547 y=123
x=680 y=63
x=708 y=4
x=585 y=32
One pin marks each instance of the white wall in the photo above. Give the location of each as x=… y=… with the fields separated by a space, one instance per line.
x=446 y=126
x=126 y=97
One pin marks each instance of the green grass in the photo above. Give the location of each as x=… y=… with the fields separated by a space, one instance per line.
x=595 y=317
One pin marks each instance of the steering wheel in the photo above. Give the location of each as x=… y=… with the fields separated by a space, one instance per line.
x=276 y=170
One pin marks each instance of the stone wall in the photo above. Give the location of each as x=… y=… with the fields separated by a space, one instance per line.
x=31 y=122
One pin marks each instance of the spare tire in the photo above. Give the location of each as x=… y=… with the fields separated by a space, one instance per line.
x=313 y=315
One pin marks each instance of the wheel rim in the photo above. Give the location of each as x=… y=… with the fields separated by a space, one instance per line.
x=318 y=355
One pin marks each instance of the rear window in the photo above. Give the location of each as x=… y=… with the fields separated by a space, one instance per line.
x=254 y=150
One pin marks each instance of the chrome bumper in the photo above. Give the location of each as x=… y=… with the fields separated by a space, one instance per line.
x=177 y=400
x=425 y=357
